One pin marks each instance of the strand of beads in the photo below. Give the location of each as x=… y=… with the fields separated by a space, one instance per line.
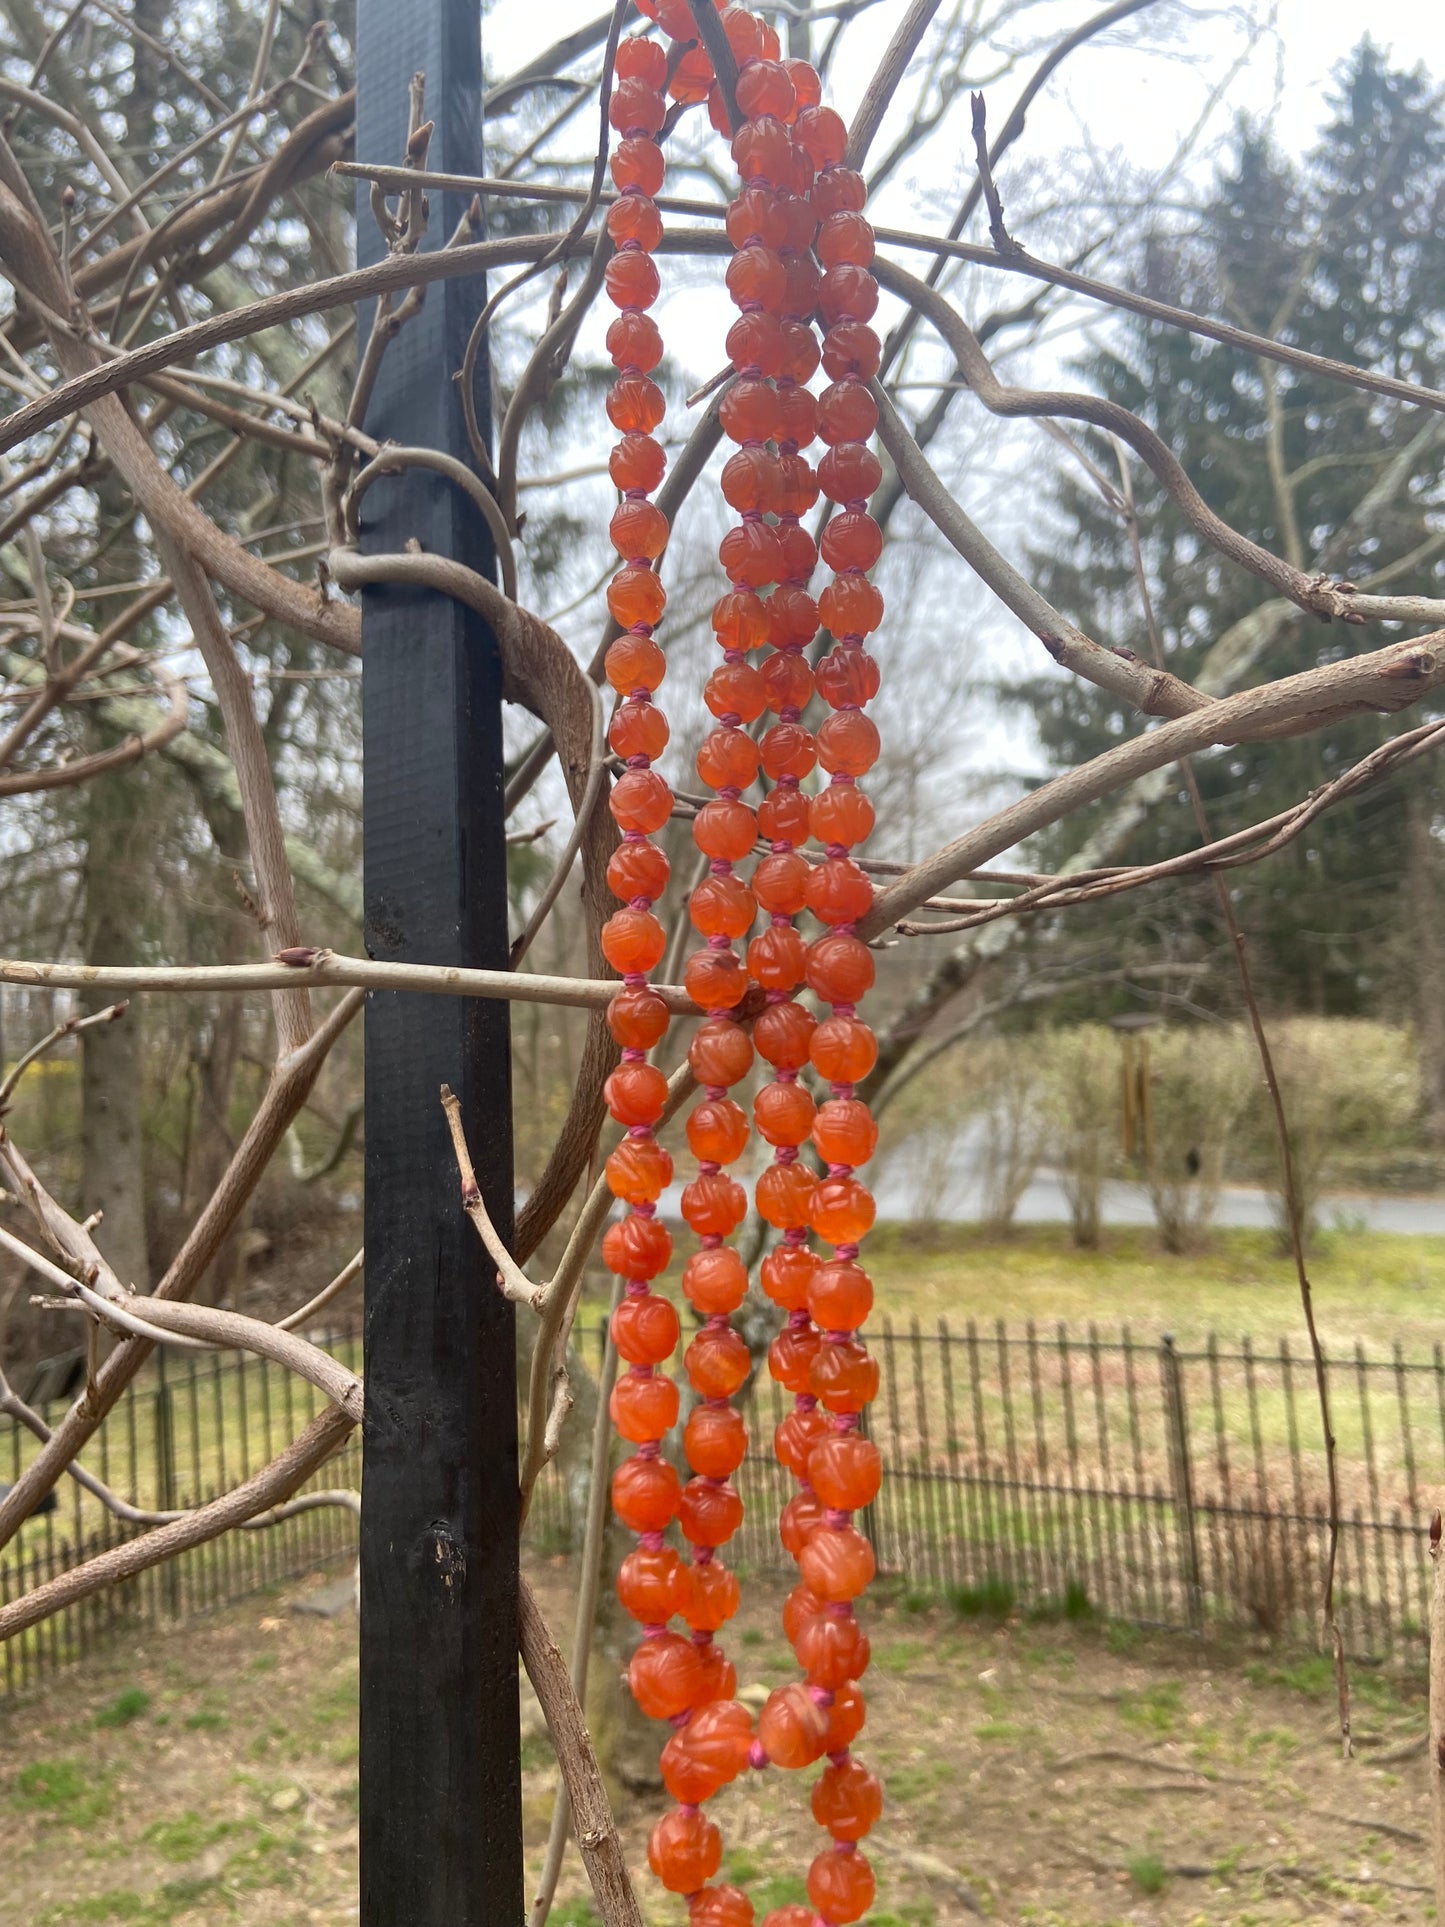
x=837 y=1561
x=712 y=1743
x=666 y=1674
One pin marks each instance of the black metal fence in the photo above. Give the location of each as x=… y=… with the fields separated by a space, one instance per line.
x=1141 y=1480
x=1060 y=1471
x=188 y=1428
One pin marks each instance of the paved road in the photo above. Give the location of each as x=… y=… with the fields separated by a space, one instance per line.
x=897 y=1184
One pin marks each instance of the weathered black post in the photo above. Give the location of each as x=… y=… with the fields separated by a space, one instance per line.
x=441 y=1840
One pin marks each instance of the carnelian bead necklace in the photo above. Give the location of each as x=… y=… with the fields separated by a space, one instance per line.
x=794 y=194
x=664 y=1674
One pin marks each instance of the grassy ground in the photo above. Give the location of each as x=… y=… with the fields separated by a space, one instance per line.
x=1057 y=1775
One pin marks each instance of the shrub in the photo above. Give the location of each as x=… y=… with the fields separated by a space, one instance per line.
x=1081 y=1099
x=1198 y=1085
x=1348 y=1086
x=1008 y=1075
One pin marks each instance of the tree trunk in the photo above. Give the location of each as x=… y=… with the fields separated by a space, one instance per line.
x=112 y=1139
x=1427 y=955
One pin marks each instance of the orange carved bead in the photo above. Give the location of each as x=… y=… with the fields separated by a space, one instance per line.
x=637 y=462
x=728 y=759
x=801 y=352
x=788 y=750
x=741 y=619
x=792 y=1727
x=783 y=1034
x=663 y=1675
x=715 y=1281
x=831 y=1649
x=750 y=478
x=784 y=1195
x=715 y=979
x=798 y=491
x=638 y=870
x=766 y=87
x=717 y=1130
x=840 y=968
x=777 y=958
x=839 y=892
x=844 y=1050
x=638 y=728
x=845 y=1377
x=638 y=528
x=722 y=906
x=635 y=341
x=845 y=1470
x=838 y=189
x=692 y=77
x=643 y=1406
x=848 y=741
x=636 y=1093
x=783 y=1113
x=791 y=1355
x=841 y=1886
x=787 y=681
x=709 y=1514
x=792 y=617
x=634 y=662
x=723 y=830
x=845 y=236
x=736 y=690
x=851 y=348
x=799 y=1519
x=762 y=151
x=636 y=596
x=850 y=472
x=842 y=1210
x=653 y=1584
x=848 y=677
x=757 y=275
x=837 y=1563
x=717 y=1361
x=720 y=1053
x=634 y=218
x=636 y=1247
x=640 y=800
x=637 y=1017
x=780 y=882
x=844 y=1132
x=715 y=1597
x=794 y=1439
x=635 y=403
x=685 y=1849
x=715 y=1439
x=847 y=1800
x=786 y=1274
x=841 y=814
x=633 y=940
x=822 y=134
x=636 y=107
x=639 y=1170
x=796 y=419
x=720 y=1906
x=748 y=411
x=851 y=605
x=840 y=1296
x=783 y=815
x=845 y=1717
x=633 y=282
x=807 y=86
x=645 y=1329
x=641 y=60
x=708 y=1752
x=752 y=554
x=755 y=348
x=847 y=293
x=847 y=412
x=714 y=1205
x=756 y=215
x=852 y=540
x=645 y=1494
x=638 y=163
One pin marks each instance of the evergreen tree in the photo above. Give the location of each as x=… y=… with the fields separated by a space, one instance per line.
x=1342 y=254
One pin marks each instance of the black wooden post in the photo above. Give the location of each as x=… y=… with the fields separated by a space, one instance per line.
x=441 y=1835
